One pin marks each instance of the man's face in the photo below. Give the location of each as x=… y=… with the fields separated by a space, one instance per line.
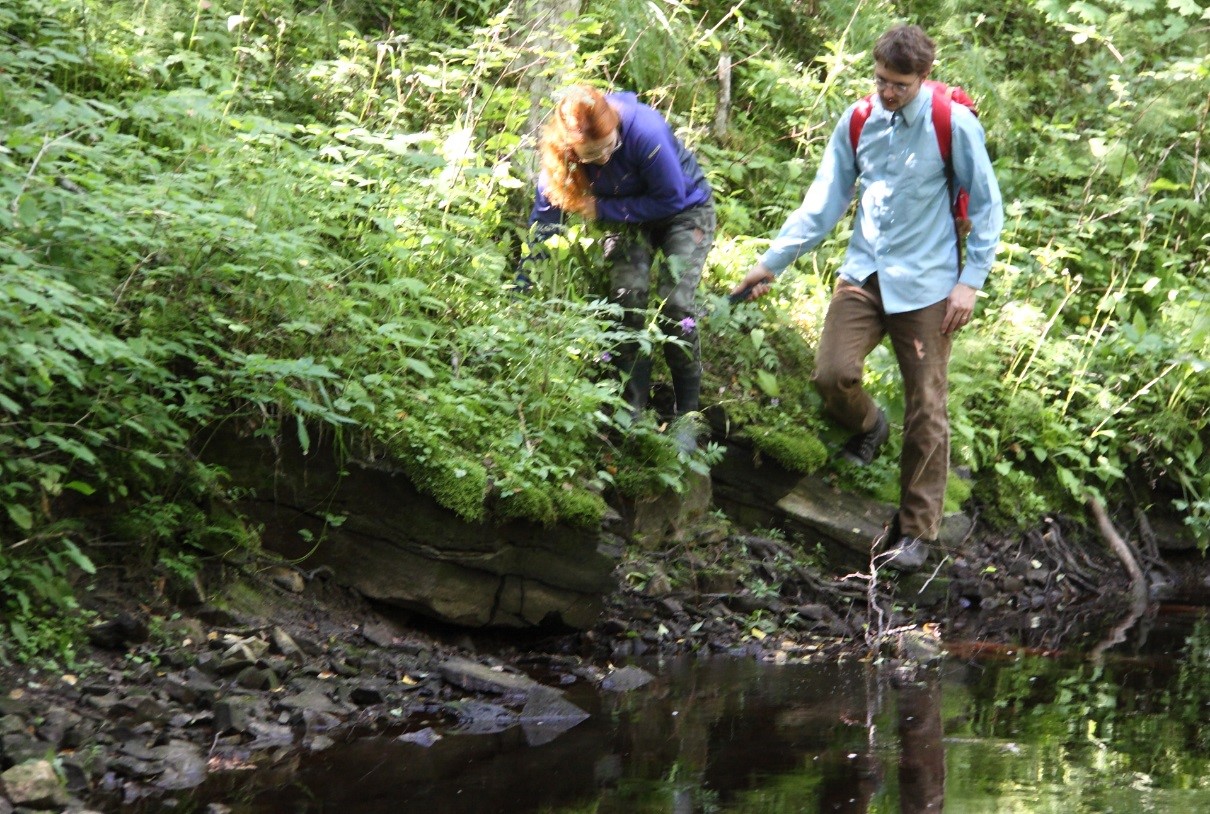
x=896 y=90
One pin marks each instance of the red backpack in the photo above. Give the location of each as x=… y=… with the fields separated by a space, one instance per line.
x=943 y=97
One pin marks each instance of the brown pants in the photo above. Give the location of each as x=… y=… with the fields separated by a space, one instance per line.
x=854 y=326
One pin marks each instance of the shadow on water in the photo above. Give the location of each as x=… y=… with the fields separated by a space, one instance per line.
x=1126 y=733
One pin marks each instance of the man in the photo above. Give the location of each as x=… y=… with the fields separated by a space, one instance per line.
x=902 y=274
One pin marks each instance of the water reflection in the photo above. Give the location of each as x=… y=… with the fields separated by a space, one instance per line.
x=1030 y=735
x=921 y=755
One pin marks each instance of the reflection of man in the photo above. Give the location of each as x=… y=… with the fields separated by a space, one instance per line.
x=921 y=753
x=901 y=274
x=850 y=787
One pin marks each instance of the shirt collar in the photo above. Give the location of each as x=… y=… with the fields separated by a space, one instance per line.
x=913 y=108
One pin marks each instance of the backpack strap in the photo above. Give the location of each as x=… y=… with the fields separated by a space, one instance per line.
x=857 y=121
x=944 y=98
x=943 y=123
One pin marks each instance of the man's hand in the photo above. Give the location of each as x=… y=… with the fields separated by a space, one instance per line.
x=958 y=308
x=757 y=282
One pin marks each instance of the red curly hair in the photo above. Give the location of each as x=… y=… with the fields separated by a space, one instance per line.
x=581 y=115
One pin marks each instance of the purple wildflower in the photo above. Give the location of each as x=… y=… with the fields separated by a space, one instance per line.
x=606 y=356
x=687 y=325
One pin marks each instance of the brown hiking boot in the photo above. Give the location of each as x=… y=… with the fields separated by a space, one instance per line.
x=863 y=448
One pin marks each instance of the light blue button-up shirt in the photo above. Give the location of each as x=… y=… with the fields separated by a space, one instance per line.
x=904 y=226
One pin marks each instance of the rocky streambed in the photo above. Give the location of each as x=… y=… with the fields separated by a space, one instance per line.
x=171 y=692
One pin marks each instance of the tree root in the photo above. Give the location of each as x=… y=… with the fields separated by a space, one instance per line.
x=1138 y=582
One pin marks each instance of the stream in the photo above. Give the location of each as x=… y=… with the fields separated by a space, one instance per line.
x=1008 y=733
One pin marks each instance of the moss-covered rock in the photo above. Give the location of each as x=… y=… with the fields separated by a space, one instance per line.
x=957 y=492
x=535 y=504
x=647 y=465
x=457 y=483
x=580 y=507
x=1014 y=497
x=796 y=450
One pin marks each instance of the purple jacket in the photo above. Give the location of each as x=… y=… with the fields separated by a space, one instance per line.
x=651 y=176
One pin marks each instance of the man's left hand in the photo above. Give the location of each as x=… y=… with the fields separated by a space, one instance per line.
x=958 y=308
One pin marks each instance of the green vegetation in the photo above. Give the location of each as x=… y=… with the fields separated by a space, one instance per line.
x=305 y=217
x=797 y=452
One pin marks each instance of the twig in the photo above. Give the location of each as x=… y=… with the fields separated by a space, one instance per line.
x=33 y=167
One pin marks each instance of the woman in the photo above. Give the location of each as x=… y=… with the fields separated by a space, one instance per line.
x=610 y=158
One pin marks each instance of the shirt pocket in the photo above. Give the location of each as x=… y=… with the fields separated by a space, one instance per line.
x=925 y=176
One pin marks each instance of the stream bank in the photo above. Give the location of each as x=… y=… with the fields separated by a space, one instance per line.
x=257 y=661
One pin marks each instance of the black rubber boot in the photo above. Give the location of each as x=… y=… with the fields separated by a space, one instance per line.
x=636 y=388
x=687 y=385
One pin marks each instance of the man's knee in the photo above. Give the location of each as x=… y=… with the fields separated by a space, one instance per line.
x=834 y=378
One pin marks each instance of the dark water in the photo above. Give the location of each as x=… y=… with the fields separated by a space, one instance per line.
x=1006 y=734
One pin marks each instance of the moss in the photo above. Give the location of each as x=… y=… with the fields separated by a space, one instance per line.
x=534 y=503
x=1013 y=498
x=223 y=530
x=457 y=483
x=646 y=464
x=580 y=507
x=797 y=451
x=241 y=597
x=887 y=491
x=957 y=492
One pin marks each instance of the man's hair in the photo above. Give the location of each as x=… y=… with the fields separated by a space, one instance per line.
x=906 y=49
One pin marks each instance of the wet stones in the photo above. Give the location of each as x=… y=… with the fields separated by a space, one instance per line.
x=119 y=632
x=165 y=714
x=33 y=784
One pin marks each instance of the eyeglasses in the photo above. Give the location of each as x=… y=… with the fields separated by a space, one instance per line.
x=897 y=88
x=602 y=154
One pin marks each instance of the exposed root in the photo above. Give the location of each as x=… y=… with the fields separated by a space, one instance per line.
x=1138 y=582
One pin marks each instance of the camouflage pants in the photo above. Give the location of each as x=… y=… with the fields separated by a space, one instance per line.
x=675 y=248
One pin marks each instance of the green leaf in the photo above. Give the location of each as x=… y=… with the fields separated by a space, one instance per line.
x=21 y=516
x=767 y=383
x=419 y=367
x=304 y=438
x=1186 y=8
x=27 y=211
x=9 y=405
x=1165 y=185
x=79 y=557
